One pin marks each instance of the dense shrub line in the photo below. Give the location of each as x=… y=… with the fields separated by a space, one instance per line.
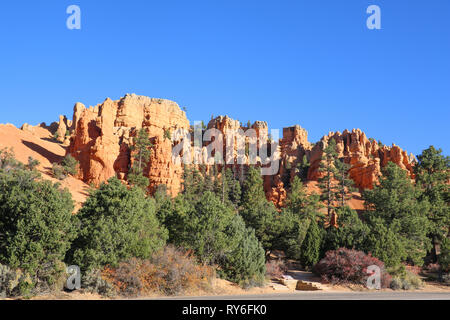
x=129 y=243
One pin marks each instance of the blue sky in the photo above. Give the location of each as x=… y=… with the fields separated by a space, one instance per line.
x=312 y=63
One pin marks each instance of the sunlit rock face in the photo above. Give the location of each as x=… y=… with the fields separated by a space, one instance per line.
x=102 y=136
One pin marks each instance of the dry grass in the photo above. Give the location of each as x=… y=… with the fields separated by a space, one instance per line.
x=171 y=271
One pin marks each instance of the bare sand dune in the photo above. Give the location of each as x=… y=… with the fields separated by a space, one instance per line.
x=39 y=145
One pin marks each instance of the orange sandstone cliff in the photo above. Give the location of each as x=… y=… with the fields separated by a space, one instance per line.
x=365 y=156
x=100 y=138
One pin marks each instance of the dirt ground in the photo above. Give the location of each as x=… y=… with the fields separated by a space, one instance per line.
x=222 y=287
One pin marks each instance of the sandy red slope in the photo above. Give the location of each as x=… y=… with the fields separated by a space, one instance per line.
x=356 y=202
x=40 y=146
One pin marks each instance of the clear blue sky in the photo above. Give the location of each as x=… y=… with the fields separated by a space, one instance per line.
x=312 y=63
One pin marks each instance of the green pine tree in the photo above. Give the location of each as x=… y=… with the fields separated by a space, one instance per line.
x=245 y=261
x=291 y=225
x=310 y=249
x=258 y=213
x=36 y=220
x=344 y=186
x=205 y=228
x=302 y=168
x=327 y=181
x=231 y=188
x=351 y=232
x=175 y=215
x=432 y=175
x=210 y=178
x=32 y=163
x=193 y=182
x=141 y=150
x=393 y=205
x=216 y=234
x=116 y=223
x=444 y=257
x=385 y=241
x=302 y=204
x=69 y=165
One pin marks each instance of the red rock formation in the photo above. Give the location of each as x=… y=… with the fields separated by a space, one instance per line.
x=77 y=111
x=293 y=146
x=273 y=186
x=229 y=127
x=364 y=155
x=63 y=129
x=102 y=136
x=224 y=124
x=262 y=130
x=277 y=194
x=56 y=129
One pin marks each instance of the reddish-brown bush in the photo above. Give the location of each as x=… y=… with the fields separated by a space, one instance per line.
x=275 y=269
x=414 y=269
x=170 y=271
x=349 y=266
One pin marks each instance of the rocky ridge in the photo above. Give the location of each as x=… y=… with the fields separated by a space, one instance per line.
x=100 y=137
